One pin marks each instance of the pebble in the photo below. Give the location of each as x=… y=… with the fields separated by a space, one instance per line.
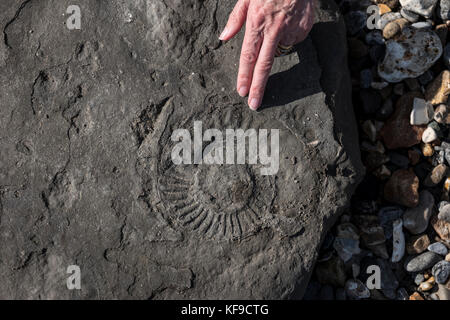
x=391 y=30
x=392 y=4
x=444 y=12
x=447 y=257
x=398 y=250
x=441 y=227
x=437 y=92
x=423 y=261
x=397 y=131
x=419 y=278
x=439 y=248
x=416 y=219
x=427 y=150
x=422 y=25
x=383 y=8
x=422 y=48
x=436 y=176
x=422 y=112
x=417 y=244
x=416 y=296
x=356 y=290
x=444 y=291
x=425 y=286
x=444 y=213
x=386 y=18
x=424 y=8
x=409 y=15
x=402 y=188
x=442 y=204
x=441 y=271
x=429 y=135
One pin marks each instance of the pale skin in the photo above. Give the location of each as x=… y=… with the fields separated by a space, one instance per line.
x=268 y=23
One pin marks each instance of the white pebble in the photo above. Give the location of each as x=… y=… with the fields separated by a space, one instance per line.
x=429 y=135
x=422 y=112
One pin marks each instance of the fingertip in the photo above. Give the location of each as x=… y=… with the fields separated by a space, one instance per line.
x=254 y=103
x=225 y=34
x=243 y=91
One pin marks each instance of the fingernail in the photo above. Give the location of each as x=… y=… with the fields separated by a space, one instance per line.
x=243 y=91
x=224 y=34
x=254 y=103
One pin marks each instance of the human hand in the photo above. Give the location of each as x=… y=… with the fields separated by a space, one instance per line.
x=268 y=23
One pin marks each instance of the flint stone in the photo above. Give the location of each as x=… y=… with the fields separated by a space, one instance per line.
x=439 y=248
x=417 y=244
x=410 y=54
x=444 y=213
x=416 y=219
x=423 y=261
x=424 y=8
x=441 y=271
x=444 y=9
x=409 y=15
x=87 y=175
x=386 y=18
x=422 y=112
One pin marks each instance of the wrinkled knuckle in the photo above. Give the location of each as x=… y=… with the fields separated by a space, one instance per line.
x=249 y=56
x=258 y=19
x=257 y=90
x=266 y=66
x=243 y=79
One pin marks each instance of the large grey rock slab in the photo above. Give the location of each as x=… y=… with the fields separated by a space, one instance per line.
x=86 y=177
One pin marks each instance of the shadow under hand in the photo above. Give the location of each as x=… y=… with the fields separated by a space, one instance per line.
x=294 y=77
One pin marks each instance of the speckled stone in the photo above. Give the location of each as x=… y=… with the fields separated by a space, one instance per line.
x=439 y=248
x=424 y=8
x=410 y=54
x=423 y=261
x=441 y=271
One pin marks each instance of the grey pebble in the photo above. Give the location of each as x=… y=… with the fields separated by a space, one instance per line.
x=423 y=261
x=439 y=248
x=441 y=271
